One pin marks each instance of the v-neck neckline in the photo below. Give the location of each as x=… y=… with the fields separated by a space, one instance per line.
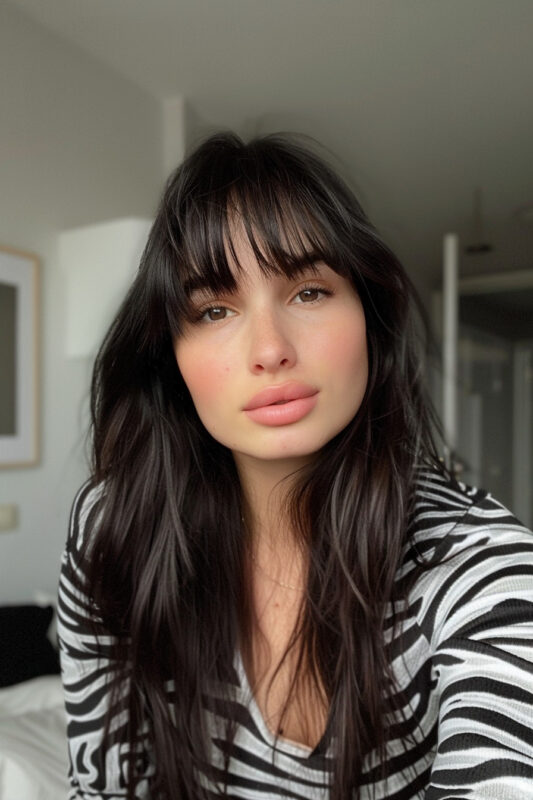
x=288 y=746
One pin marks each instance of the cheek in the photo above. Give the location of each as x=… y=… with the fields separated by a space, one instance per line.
x=204 y=374
x=348 y=353
x=345 y=351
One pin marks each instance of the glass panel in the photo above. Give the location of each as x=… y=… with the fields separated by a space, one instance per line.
x=495 y=356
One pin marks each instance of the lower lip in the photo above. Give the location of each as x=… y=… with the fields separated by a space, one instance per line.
x=283 y=414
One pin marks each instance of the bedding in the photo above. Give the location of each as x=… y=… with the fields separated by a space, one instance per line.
x=33 y=744
x=33 y=741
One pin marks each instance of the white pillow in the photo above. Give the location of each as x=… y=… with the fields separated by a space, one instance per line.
x=36 y=694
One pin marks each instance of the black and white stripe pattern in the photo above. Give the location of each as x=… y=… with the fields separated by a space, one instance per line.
x=463 y=658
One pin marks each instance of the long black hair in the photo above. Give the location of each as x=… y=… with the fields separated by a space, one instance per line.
x=167 y=554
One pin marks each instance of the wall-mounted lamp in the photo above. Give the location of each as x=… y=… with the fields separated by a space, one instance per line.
x=99 y=263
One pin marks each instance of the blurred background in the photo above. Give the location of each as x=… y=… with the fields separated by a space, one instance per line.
x=426 y=106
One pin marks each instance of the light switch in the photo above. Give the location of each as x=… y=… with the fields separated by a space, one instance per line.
x=8 y=516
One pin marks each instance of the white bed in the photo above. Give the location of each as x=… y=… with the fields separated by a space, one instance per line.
x=33 y=743
x=33 y=739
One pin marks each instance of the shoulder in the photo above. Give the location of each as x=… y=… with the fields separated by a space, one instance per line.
x=86 y=508
x=77 y=613
x=479 y=556
x=450 y=518
x=84 y=515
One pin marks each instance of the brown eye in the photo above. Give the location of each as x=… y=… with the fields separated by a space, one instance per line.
x=309 y=295
x=216 y=313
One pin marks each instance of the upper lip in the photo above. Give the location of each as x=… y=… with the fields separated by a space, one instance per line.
x=280 y=394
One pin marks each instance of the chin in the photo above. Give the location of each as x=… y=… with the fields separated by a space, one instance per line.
x=285 y=452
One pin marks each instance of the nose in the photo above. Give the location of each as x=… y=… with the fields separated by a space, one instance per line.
x=271 y=345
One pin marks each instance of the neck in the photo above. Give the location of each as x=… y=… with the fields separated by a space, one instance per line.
x=276 y=560
x=265 y=486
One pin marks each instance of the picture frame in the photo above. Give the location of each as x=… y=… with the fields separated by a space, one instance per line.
x=19 y=358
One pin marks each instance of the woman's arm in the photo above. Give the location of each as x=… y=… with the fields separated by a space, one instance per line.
x=87 y=669
x=483 y=659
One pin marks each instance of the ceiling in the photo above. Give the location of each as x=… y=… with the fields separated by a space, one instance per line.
x=424 y=102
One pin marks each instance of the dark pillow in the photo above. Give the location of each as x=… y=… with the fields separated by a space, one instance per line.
x=25 y=651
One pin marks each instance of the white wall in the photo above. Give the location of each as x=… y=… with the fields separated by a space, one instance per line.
x=78 y=145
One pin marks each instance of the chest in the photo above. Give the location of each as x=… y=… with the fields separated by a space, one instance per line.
x=294 y=709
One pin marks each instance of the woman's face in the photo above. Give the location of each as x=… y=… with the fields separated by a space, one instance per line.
x=279 y=367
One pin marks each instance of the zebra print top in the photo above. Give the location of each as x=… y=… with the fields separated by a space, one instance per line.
x=463 y=658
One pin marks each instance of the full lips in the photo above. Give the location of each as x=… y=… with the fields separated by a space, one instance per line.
x=284 y=413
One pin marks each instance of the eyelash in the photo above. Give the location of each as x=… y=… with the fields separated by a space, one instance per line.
x=199 y=316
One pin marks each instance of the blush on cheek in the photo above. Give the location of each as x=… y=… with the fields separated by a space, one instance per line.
x=345 y=350
x=204 y=377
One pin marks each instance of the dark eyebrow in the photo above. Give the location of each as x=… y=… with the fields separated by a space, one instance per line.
x=198 y=284
x=312 y=266
x=193 y=284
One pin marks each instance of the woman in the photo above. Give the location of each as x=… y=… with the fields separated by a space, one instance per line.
x=272 y=587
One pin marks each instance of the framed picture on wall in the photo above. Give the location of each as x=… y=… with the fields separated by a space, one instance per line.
x=19 y=358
